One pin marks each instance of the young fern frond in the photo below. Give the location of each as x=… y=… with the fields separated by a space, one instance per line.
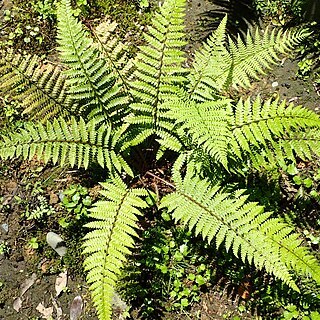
x=209 y=58
x=76 y=144
x=114 y=223
x=115 y=53
x=90 y=80
x=40 y=88
x=159 y=71
x=240 y=226
x=263 y=131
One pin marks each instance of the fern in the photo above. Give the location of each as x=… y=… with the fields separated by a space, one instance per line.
x=159 y=72
x=115 y=52
x=77 y=144
x=115 y=221
x=208 y=59
x=40 y=88
x=271 y=130
x=90 y=81
x=207 y=125
x=221 y=69
x=259 y=52
x=242 y=226
x=107 y=106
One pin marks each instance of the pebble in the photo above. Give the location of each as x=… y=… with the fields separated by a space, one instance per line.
x=56 y=243
x=5 y=227
x=274 y=84
x=76 y=308
x=61 y=195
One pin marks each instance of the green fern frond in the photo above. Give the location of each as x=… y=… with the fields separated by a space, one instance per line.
x=248 y=60
x=207 y=125
x=159 y=71
x=115 y=53
x=115 y=221
x=301 y=144
x=292 y=249
x=216 y=68
x=40 y=87
x=263 y=131
x=76 y=144
x=306 y=145
x=91 y=82
x=241 y=226
x=210 y=57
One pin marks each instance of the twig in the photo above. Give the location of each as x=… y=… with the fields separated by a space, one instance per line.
x=164 y=181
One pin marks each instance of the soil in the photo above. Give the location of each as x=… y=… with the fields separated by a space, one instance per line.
x=283 y=81
x=19 y=261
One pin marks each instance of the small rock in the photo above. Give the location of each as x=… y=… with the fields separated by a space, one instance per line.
x=61 y=195
x=5 y=227
x=76 y=308
x=17 y=304
x=56 y=243
x=294 y=99
x=274 y=84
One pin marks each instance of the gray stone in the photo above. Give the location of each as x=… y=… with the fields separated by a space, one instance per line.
x=56 y=243
x=5 y=227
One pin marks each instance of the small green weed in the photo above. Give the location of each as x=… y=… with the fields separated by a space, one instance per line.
x=281 y=12
x=305 y=68
x=33 y=243
x=76 y=200
x=45 y=8
x=170 y=272
x=292 y=312
x=306 y=180
x=10 y=113
x=42 y=210
x=4 y=248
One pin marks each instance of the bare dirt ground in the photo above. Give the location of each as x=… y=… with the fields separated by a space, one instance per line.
x=27 y=274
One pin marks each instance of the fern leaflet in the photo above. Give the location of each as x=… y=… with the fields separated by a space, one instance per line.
x=206 y=123
x=115 y=53
x=263 y=131
x=222 y=68
x=76 y=144
x=159 y=71
x=90 y=80
x=40 y=87
x=111 y=239
x=241 y=226
x=202 y=85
